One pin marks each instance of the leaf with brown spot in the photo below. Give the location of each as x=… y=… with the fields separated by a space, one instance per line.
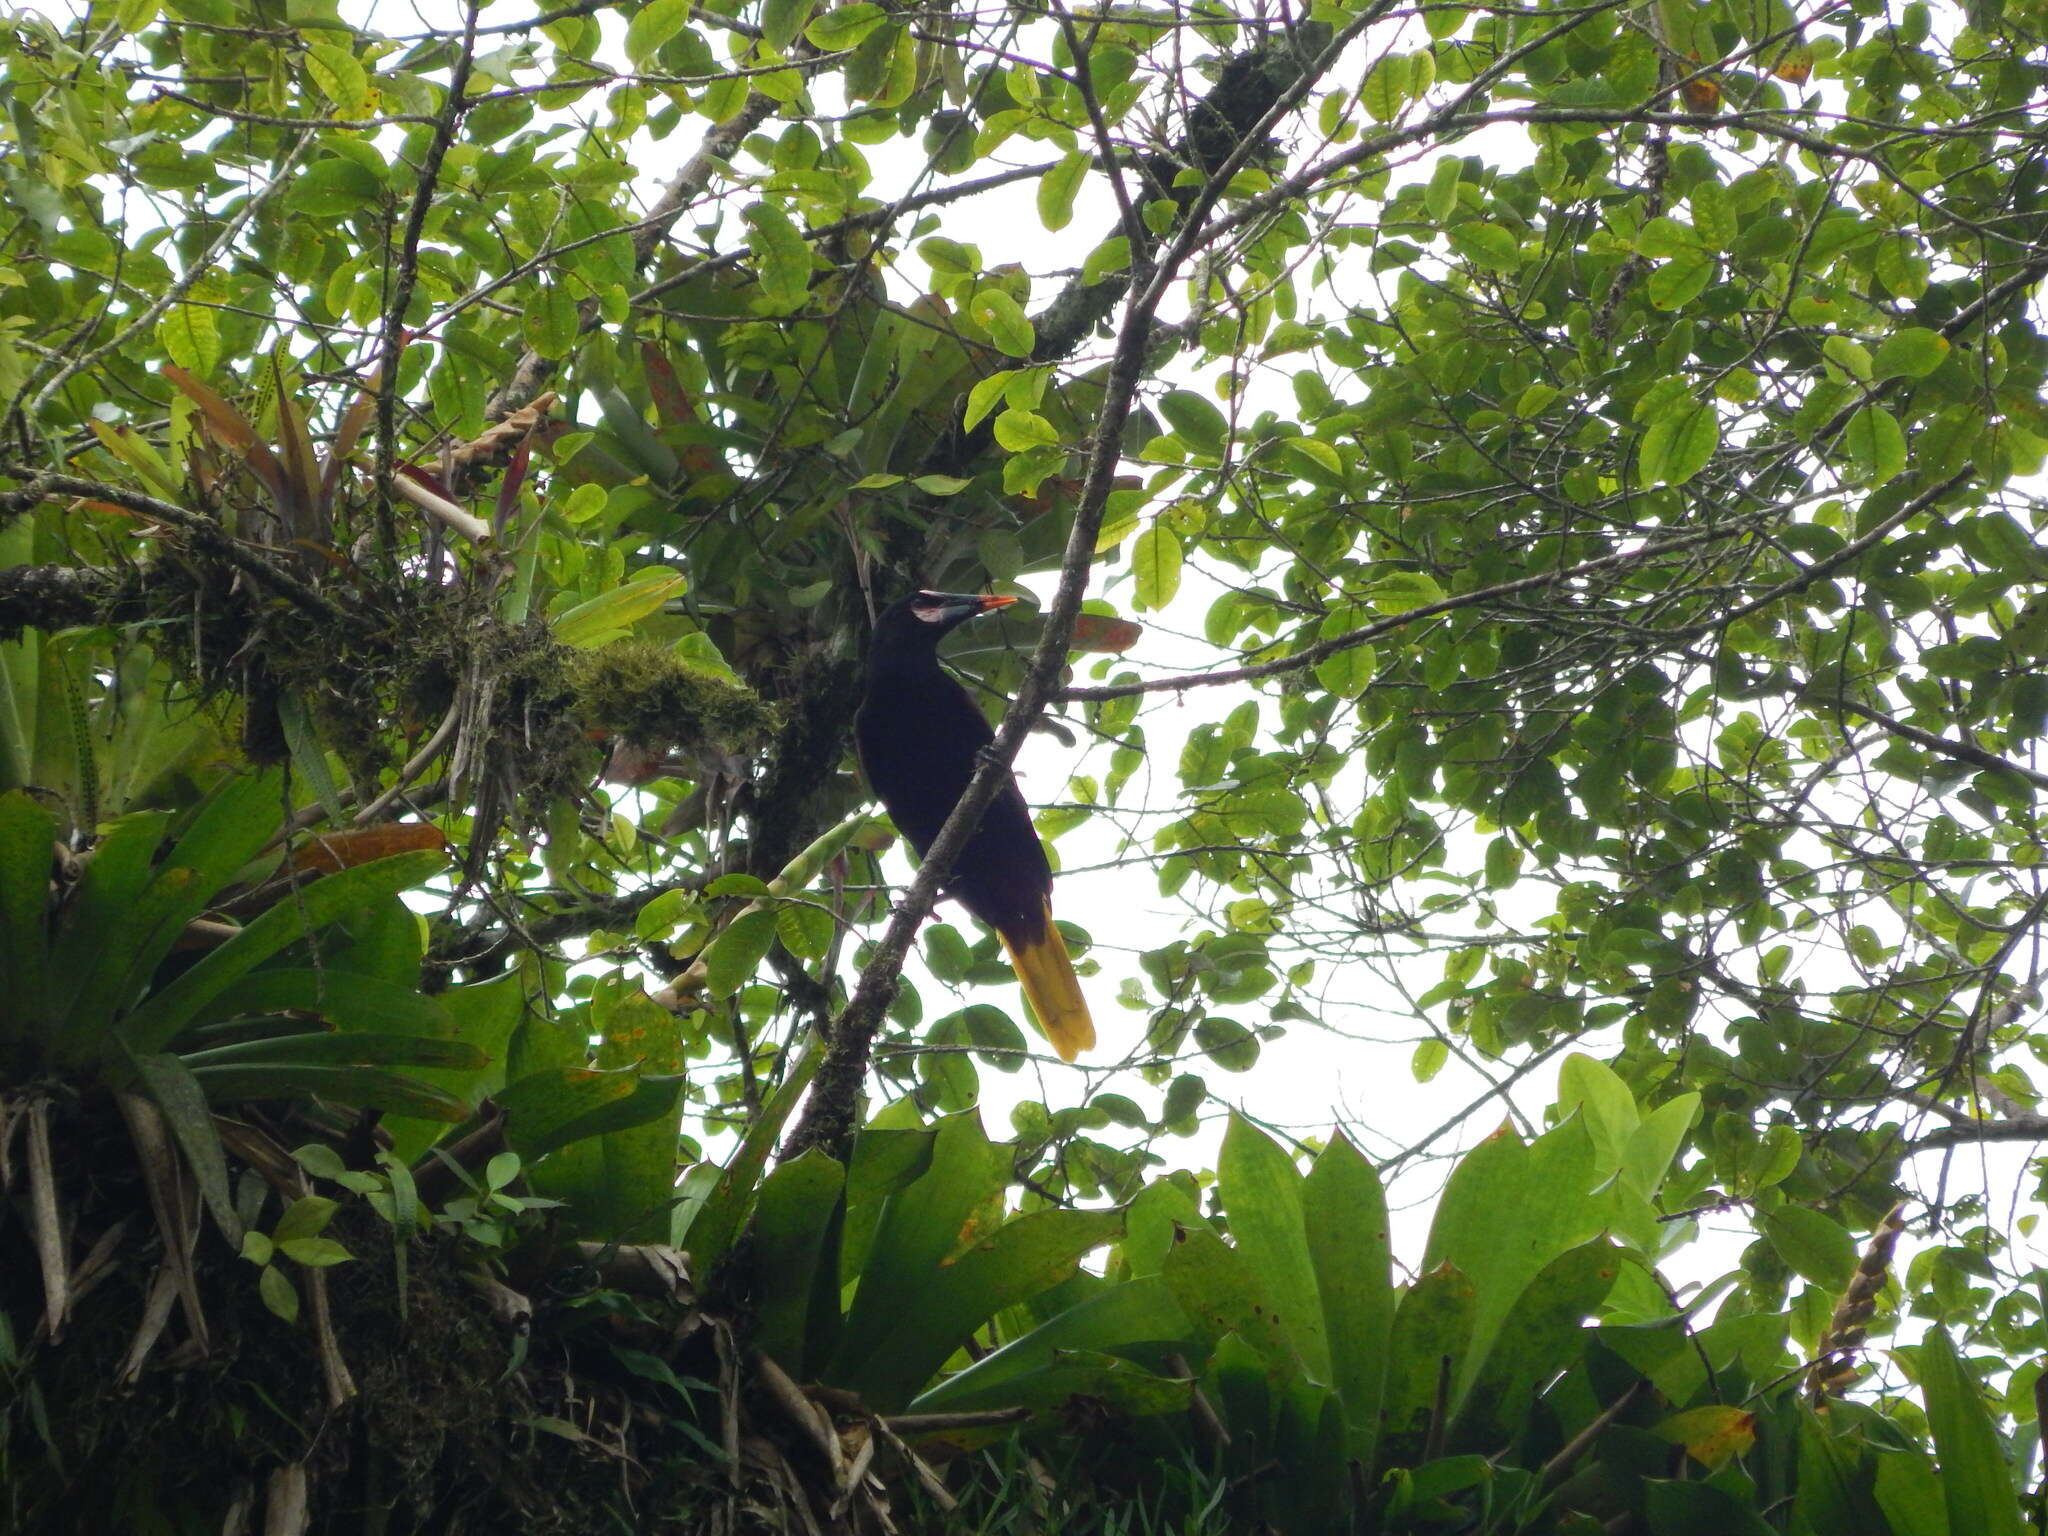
x=1702 y=93
x=1712 y=1436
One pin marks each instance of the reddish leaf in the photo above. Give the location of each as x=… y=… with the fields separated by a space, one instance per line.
x=331 y=851
x=1100 y=632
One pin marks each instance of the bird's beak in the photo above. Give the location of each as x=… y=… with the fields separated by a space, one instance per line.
x=990 y=604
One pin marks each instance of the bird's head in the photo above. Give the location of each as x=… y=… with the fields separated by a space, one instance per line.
x=921 y=619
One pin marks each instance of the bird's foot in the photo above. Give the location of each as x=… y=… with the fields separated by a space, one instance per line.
x=986 y=755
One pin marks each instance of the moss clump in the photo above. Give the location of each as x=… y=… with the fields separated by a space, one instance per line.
x=655 y=699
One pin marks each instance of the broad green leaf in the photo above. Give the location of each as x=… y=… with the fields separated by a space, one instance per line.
x=1262 y=1191
x=1679 y=444
x=555 y=1106
x=1344 y=1220
x=1816 y=1246
x=1056 y=190
x=1196 y=419
x=731 y=959
x=610 y=614
x=1486 y=245
x=177 y=1094
x=340 y=1048
x=1223 y=1296
x=1022 y=1257
x=27 y=836
x=551 y=321
x=1876 y=444
x=1156 y=566
x=636 y=1034
x=846 y=26
x=654 y=24
x=1543 y=1333
x=796 y=1257
x=1385 y=91
x=917 y=1230
x=1911 y=353
x=159 y=1020
x=1508 y=1209
x=1597 y=1092
x=1975 y=1481
x=709 y=1226
x=1431 y=1333
x=1140 y=1311
x=782 y=259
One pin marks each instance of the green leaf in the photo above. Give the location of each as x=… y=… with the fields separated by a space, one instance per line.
x=984 y=397
x=1912 y=353
x=1223 y=1296
x=1110 y=257
x=1119 y=1317
x=1486 y=245
x=1679 y=444
x=1429 y=1058
x=782 y=20
x=845 y=27
x=1056 y=189
x=27 y=836
x=346 y=1049
x=1680 y=280
x=1541 y=1336
x=1262 y=1192
x=919 y=1229
x=1876 y=444
x=1975 y=1480
x=731 y=959
x=360 y=1087
x=1018 y=431
x=608 y=616
x=190 y=338
x=348 y=997
x=182 y=1102
x=1156 y=566
x=314 y=1252
x=796 y=1256
x=278 y=1293
x=1196 y=420
x=1432 y=1322
x=1816 y=1247
x=1508 y=1209
x=306 y=1216
x=308 y=757
x=551 y=322
x=341 y=78
x=555 y=1106
x=654 y=24
x=782 y=259
x=160 y=1020
x=1344 y=1219
x=710 y=1226
x=1385 y=91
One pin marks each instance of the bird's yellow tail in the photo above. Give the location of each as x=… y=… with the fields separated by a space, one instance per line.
x=1053 y=990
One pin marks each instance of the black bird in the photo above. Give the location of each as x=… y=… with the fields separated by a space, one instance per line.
x=920 y=738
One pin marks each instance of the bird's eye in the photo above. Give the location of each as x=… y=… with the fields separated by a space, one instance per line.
x=930 y=613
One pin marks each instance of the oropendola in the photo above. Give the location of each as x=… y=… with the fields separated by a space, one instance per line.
x=920 y=738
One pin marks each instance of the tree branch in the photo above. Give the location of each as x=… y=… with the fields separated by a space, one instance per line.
x=206 y=534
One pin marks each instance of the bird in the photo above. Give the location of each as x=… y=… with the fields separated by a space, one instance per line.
x=920 y=738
